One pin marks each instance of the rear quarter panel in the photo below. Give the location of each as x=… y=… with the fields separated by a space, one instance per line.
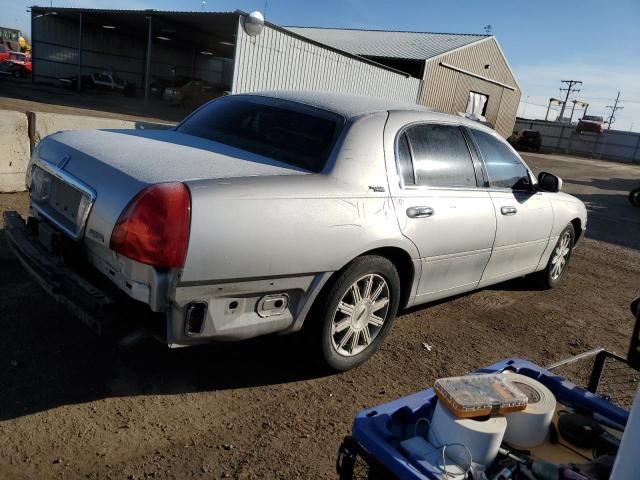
x=279 y=226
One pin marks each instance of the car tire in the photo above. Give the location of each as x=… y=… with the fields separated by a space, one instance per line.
x=559 y=259
x=634 y=197
x=345 y=328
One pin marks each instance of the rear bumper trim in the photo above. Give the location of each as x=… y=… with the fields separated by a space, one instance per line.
x=81 y=298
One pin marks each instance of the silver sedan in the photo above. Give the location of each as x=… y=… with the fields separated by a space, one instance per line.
x=285 y=212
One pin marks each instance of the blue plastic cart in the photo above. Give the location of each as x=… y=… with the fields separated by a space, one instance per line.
x=372 y=452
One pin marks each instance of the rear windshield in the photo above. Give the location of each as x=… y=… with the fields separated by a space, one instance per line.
x=286 y=131
x=593 y=118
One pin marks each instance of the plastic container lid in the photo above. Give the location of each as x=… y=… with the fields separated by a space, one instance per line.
x=479 y=395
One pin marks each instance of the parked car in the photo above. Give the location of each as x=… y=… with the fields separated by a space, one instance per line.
x=590 y=123
x=526 y=139
x=159 y=85
x=106 y=81
x=288 y=211
x=4 y=52
x=18 y=65
x=192 y=94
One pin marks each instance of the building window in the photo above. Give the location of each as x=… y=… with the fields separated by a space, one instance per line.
x=477 y=104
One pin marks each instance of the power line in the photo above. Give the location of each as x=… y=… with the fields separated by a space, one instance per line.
x=613 y=109
x=610 y=99
x=570 y=89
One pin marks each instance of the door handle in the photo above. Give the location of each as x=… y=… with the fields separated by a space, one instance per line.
x=419 y=212
x=508 y=210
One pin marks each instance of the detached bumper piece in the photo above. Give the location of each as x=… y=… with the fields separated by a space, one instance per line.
x=92 y=305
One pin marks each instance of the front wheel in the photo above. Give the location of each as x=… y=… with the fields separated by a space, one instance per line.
x=353 y=316
x=634 y=197
x=559 y=260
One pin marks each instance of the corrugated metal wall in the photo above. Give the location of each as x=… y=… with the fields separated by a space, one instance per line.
x=448 y=90
x=278 y=60
x=563 y=138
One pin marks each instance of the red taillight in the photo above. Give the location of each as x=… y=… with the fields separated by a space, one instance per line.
x=154 y=228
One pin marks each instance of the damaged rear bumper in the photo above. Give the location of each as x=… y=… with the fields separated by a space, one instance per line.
x=96 y=306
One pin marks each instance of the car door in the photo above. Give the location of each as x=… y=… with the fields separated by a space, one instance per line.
x=441 y=209
x=524 y=215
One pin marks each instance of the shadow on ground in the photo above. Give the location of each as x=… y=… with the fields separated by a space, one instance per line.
x=50 y=359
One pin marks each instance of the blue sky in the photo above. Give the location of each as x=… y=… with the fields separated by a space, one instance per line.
x=544 y=41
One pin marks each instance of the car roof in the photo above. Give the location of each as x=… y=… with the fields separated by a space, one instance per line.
x=344 y=104
x=352 y=106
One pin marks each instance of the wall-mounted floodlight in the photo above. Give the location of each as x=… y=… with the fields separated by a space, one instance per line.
x=228 y=44
x=44 y=14
x=109 y=27
x=166 y=39
x=253 y=23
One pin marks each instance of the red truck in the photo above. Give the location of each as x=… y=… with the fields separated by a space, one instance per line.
x=590 y=123
x=4 y=52
x=18 y=65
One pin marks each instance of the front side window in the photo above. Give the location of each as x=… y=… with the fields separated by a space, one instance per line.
x=284 y=131
x=441 y=157
x=504 y=168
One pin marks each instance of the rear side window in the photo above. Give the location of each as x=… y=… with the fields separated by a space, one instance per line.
x=285 y=131
x=404 y=161
x=441 y=157
x=504 y=168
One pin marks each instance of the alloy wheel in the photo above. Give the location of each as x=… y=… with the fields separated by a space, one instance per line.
x=360 y=315
x=560 y=256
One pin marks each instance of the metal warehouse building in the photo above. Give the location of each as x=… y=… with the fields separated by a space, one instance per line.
x=448 y=72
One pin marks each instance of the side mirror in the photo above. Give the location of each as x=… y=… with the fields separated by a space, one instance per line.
x=549 y=182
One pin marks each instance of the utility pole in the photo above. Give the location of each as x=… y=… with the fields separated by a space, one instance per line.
x=570 y=89
x=613 y=108
x=524 y=111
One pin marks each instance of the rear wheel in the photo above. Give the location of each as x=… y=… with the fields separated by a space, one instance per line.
x=634 y=197
x=559 y=260
x=353 y=316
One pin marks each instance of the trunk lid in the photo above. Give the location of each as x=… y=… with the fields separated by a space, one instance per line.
x=111 y=166
x=153 y=156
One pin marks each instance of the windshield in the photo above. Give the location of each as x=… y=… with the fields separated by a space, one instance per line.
x=286 y=131
x=593 y=118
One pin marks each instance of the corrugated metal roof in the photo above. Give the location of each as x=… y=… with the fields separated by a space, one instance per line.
x=389 y=44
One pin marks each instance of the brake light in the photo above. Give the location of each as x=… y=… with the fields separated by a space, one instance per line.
x=154 y=227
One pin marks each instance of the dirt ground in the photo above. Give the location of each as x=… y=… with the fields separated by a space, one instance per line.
x=72 y=406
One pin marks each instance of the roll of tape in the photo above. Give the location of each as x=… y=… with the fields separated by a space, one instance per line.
x=529 y=427
x=481 y=437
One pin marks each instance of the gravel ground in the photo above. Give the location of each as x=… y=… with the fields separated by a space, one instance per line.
x=71 y=406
